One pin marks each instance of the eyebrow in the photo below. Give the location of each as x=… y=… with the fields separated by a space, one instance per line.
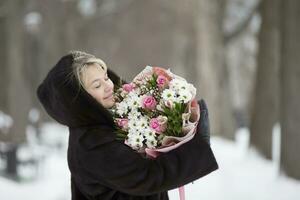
x=98 y=79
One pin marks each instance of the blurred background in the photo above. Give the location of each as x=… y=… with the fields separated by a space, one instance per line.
x=242 y=56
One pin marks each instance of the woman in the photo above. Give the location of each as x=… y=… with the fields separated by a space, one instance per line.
x=77 y=92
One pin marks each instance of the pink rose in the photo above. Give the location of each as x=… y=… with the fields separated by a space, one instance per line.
x=149 y=102
x=154 y=124
x=159 y=124
x=128 y=87
x=122 y=123
x=161 y=71
x=161 y=81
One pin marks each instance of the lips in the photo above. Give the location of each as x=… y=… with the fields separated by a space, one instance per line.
x=108 y=96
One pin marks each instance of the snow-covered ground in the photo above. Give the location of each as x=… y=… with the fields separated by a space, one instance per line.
x=242 y=173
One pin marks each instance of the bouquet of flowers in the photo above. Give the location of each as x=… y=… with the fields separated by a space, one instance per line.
x=156 y=112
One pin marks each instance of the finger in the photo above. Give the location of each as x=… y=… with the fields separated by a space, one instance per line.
x=204 y=121
x=203 y=105
x=203 y=110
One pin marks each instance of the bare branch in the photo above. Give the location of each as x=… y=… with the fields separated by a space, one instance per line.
x=242 y=25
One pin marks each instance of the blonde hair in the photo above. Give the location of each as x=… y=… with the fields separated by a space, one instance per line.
x=81 y=61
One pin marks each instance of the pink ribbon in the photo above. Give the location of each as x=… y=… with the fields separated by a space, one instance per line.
x=181 y=193
x=171 y=142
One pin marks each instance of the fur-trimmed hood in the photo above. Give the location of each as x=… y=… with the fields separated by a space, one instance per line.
x=64 y=101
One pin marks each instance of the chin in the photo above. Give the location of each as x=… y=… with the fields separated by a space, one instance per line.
x=108 y=104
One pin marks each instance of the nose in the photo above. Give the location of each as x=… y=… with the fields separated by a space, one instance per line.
x=108 y=88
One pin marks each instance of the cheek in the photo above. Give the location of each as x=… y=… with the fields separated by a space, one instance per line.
x=111 y=84
x=98 y=94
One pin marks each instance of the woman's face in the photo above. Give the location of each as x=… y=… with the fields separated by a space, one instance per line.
x=98 y=85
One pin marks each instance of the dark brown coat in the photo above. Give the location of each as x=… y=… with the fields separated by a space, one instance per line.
x=103 y=168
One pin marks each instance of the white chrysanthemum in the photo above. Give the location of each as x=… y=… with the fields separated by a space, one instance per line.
x=184 y=91
x=137 y=91
x=133 y=131
x=122 y=108
x=151 y=142
x=148 y=69
x=184 y=96
x=134 y=115
x=138 y=122
x=142 y=123
x=176 y=83
x=179 y=85
x=132 y=123
x=149 y=133
x=135 y=141
x=184 y=86
x=133 y=100
x=168 y=94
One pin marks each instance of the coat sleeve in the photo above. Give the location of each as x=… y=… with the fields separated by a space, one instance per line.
x=117 y=166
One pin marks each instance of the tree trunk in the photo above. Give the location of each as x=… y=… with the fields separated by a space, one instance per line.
x=3 y=73
x=183 y=53
x=18 y=88
x=12 y=162
x=18 y=96
x=290 y=87
x=4 y=67
x=265 y=108
x=211 y=68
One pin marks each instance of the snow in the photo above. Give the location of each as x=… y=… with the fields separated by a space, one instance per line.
x=32 y=21
x=34 y=115
x=52 y=183
x=276 y=145
x=242 y=174
x=5 y=122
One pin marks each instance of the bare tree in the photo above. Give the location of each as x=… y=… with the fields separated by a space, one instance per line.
x=17 y=96
x=4 y=68
x=290 y=87
x=211 y=68
x=265 y=108
x=128 y=37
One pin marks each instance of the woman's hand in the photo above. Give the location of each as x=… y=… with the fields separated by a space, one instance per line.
x=203 y=128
